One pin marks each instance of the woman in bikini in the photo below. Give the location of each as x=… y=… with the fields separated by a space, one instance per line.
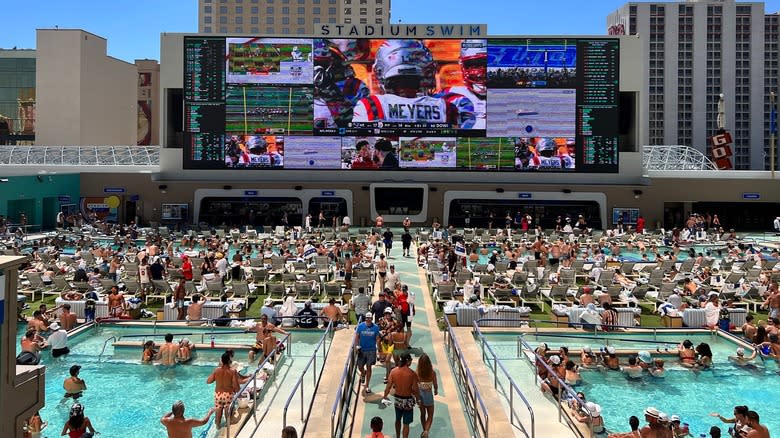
x=77 y=425
x=381 y=269
x=687 y=354
x=429 y=386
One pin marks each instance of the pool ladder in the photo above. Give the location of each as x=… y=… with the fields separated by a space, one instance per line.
x=104 y=346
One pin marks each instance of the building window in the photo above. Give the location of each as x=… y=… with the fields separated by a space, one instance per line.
x=301 y=20
x=207 y=9
x=223 y=29
x=378 y=11
x=223 y=20
x=332 y=20
x=347 y=11
x=378 y=21
x=301 y=30
x=285 y=30
x=255 y=1
x=239 y=1
x=316 y=2
x=332 y=11
x=316 y=20
x=363 y=11
x=269 y=10
x=347 y=2
x=301 y=10
x=239 y=29
x=269 y=20
x=301 y=2
x=207 y=29
x=363 y=20
x=255 y=30
x=285 y=10
x=239 y=9
x=207 y=19
x=254 y=20
x=239 y=20
x=348 y=20
x=331 y=2
x=285 y=20
x=286 y=2
x=270 y=30
x=316 y=10
x=363 y=2
x=255 y=10
x=223 y=9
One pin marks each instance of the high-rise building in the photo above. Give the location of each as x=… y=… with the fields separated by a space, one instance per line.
x=283 y=17
x=695 y=50
x=17 y=91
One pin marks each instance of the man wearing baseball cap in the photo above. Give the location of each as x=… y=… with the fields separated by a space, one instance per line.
x=366 y=342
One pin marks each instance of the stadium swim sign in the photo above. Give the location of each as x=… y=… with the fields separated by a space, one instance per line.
x=402 y=30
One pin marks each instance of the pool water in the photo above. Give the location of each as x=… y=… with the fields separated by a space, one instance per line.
x=691 y=395
x=127 y=398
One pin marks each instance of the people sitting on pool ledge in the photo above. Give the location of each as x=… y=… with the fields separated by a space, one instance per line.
x=552 y=383
x=770 y=348
x=590 y=414
x=184 y=352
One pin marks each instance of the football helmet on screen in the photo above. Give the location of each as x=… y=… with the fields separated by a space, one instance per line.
x=473 y=65
x=546 y=147
x=404 y=60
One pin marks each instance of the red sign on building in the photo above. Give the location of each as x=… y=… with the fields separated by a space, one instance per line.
x=721 y=150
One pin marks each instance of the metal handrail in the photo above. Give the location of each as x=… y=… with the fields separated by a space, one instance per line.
x=341 y=393
x=316 y=381
x=470 y=391
x=512 y=385
x=561 y=385
x=104 y=346
x=252 y=381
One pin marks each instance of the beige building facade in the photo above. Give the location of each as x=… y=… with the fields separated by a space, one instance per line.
x=84 y=96
x=286 y=17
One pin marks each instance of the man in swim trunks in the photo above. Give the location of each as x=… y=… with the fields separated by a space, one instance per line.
x=759 y=430
x=195 y=309
x=180 y=427
x=168 y=351
x=116 y=302
x=264 y=329
x=73 y=385
x=407 y=391
x=227 y=385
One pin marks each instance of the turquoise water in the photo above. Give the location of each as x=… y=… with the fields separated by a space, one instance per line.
x=126 y=398
x=691 y=395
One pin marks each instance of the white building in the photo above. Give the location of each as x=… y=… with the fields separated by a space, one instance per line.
x=694 y=50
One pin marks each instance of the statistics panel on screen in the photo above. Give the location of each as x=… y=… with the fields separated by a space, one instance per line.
x=496 y=104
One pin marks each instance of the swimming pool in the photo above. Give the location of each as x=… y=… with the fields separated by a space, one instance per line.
x=691 y=395
x=126 y=398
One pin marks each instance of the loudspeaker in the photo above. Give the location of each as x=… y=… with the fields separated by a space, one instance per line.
x=499 y=190
x=162 y=187
x=434 y=189
x=567 y=191
x=39 y=178
x=366 y=188
x=298 y=187
x=627 y=105
x=227 y=187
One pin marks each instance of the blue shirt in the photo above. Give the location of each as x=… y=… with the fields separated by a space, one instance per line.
x=368 y=336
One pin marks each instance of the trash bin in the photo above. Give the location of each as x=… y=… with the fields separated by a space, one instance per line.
x=452 y=318
x=160 y=315
x=724 y=324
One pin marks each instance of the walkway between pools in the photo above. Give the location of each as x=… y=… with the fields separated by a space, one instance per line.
x=448 y=418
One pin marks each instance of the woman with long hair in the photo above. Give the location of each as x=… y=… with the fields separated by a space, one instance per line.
x=78 y=426
x=289 y=432
x=429 y=386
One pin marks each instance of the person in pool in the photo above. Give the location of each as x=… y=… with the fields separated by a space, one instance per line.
x=587 y=358
x=591 y=414
x=633 y=369
x=611 y=361
x=572 y=373
x=74 y=385
x=78 y=426
x=740 y=417
x=770 y=348
x=149 y=353
x=552 y=383
x=168 y=351
x=741 y=360
x=687 y=354
x=184 y=353
x=658 y=368
x=704 y=355
x=180 y=427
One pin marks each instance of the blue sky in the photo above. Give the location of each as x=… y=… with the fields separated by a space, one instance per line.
x=133 y=27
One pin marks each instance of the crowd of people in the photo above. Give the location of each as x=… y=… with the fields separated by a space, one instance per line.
x=384 y=331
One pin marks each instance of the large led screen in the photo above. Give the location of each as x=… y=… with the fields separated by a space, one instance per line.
x=497 y=104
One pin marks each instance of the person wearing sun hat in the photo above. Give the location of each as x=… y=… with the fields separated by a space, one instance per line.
x=677 y=428
x=644 y=359
x=58 y=340
x=654 y=427
x=739 y=359
x=591 y=414
x=552 y=383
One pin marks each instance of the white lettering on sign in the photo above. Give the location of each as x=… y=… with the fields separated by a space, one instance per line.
x=93 y=206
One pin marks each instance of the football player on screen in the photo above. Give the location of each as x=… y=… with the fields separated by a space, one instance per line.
x=473 y=66
x=549 y=156
x=336 y=89
x=406 y=74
